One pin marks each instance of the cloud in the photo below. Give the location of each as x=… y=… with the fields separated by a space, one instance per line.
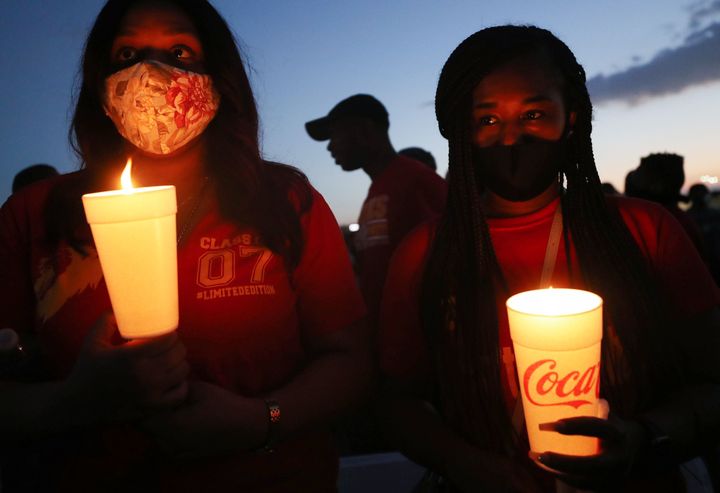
x=701 y=11
x=670 y=71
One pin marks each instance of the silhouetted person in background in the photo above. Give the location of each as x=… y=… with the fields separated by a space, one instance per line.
x=699 y=210
x=31 y=174
x=609 y=189
x=708 y=220
x=403 y=193
x=419 y=154
x=659 y=178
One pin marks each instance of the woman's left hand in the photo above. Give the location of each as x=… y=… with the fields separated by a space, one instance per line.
x=213 y=421
x=621 y=442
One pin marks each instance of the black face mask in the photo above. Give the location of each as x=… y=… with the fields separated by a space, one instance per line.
x=521 y=171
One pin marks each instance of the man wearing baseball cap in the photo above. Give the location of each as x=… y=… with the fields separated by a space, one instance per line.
x=403 y=193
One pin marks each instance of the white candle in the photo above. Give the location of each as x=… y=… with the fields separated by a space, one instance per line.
x=556 y=334
x=134 y=232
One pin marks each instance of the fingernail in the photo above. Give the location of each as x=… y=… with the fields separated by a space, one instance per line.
x=536 y=456
x=558 y=426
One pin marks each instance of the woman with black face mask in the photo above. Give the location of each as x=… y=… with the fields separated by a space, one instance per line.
x=526 y=210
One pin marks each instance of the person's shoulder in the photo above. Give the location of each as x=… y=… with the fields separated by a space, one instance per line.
x=28 y=208
x=46 y=185
x=406 y=164
x=36 y=194
x=291 y=182
x=417 y=242
x=637 y=207
x=646 y=218
x=413 y=171
x=285 y=174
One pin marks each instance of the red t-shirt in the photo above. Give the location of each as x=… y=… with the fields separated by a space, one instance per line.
x=406 y=194
x=244 y=320
x=520 y=244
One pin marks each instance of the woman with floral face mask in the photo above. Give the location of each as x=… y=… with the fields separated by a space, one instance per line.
x=526 y=210
x=270 y=345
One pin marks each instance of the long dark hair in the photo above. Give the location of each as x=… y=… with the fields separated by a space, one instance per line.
x=458 y=297
x=267 y=197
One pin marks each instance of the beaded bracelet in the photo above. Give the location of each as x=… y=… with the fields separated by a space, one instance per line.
x=274 y=414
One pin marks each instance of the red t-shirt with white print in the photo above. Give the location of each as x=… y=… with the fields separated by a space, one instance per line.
x=520 y=244
x=404 y=195
x=244 y=320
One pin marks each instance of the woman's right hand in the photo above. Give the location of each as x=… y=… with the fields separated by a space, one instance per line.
x=113 y=382
x=478 y=470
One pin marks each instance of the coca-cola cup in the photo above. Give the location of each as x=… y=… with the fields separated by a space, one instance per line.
x=556 y=334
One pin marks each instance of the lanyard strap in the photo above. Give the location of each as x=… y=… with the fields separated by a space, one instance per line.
x=552 y=248
x=518 y=417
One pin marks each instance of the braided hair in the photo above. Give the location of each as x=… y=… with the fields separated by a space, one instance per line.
x=458 y=294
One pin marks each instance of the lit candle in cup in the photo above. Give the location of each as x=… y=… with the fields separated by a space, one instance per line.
x=134 y=233
x=556 y=334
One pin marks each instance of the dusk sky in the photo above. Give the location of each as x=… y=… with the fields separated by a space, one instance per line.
x=653 y=65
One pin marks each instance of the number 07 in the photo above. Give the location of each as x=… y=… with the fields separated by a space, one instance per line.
x=258 y=272
x=217 y=268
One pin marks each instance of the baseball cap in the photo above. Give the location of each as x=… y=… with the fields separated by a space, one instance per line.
x=359 y=105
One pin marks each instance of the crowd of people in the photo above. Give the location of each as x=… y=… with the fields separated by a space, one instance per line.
x=406 y=347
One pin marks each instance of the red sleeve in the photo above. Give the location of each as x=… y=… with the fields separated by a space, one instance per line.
x=403 y=347
x=423 y=199
x=328 y=295
x=17 y=298
x=683 y=276
x=429 y=197
x=411 y=204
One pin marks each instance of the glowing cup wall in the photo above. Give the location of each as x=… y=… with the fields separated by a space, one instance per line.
x=556 y=334
x=134 y=234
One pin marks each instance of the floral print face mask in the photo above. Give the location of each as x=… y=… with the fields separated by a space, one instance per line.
x=159 y=108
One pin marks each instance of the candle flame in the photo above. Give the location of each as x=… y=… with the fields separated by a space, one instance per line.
x=125 y=179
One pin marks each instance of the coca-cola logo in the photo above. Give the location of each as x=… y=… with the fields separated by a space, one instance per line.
x=572 y=389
